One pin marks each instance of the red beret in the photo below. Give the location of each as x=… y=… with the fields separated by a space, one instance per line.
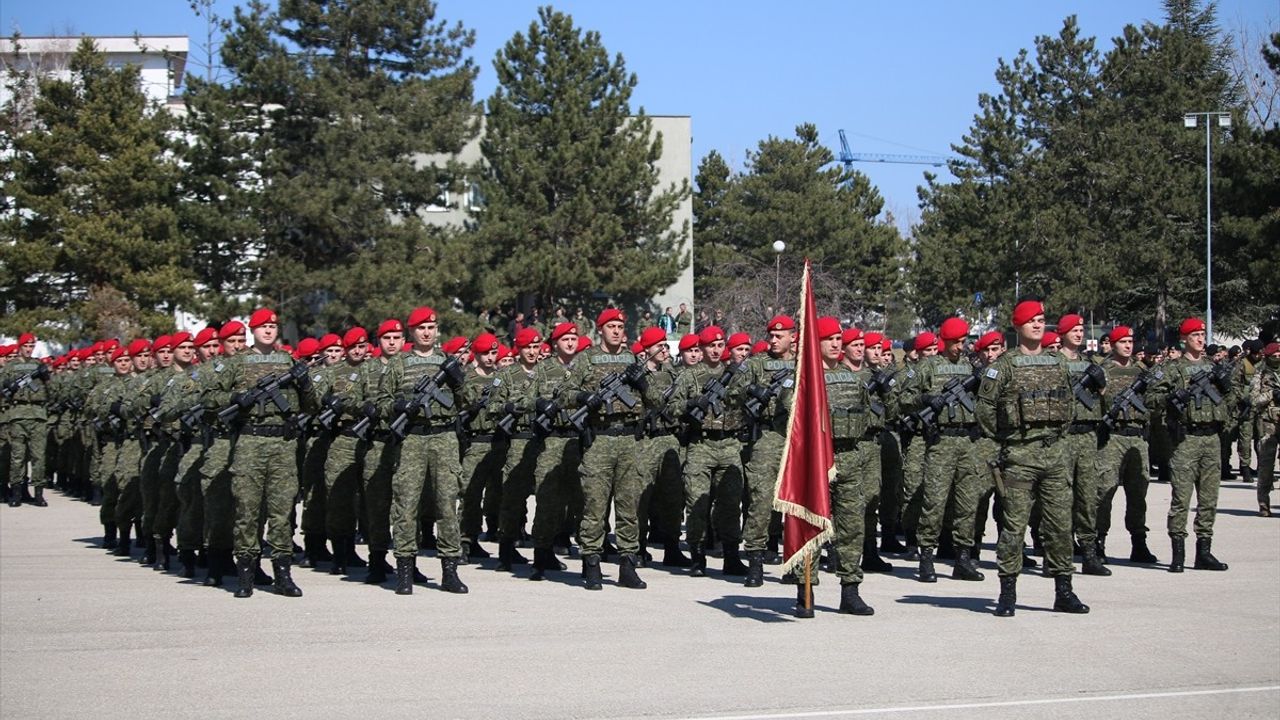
x=886 y=345
x=710 y=334
x=179 y=338
x=992 y=338
x=1190 y=325
x=1069 y=321
x=563 y=329
x=483 y=343
x=953 y=329
x=330 y=340
x=827 y=327
x=307 y=347
x=25 y=338
x=872 y=338
x=162 y=342
x=355 y=336
x=526 y=337
x=453 y=344
x=584 y=342
x=206 y=336
x=781 y=322
x=1050 y=337
x=261 y=317
x=636 y=348
x=654 y=335
x=544 y=348
x=139 y=346
x=1024 y=311
x=111 y=344
x=609 y=315
x=406 y=348
x=1271 y=349
x=759 y=347
x=117 y=353
x=1119 y=333
x=737 y=339
x=690 y=341
x=375 y=352
x=230 y=330
x=390 y=326
x=286 y=347
x=421 y=315
x=851 y=335
x=504 y=351
x=924 y=341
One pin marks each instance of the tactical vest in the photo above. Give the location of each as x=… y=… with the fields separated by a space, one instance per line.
x=1035 y=396
x=253 y=367
x=1119 y=378
x=1204 y=411
x=415 y=368
x=600 y=364
x=1076 y=369
x=940 y=372
x=849 y=405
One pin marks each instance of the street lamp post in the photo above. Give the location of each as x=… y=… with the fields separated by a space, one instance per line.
x=778 y=247
x=1190 y=120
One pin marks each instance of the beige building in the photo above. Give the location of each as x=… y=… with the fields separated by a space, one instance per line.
x=161 y=61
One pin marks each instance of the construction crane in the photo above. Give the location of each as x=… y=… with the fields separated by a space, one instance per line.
x=848 y=157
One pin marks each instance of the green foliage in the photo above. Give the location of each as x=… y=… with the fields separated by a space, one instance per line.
x=573 y=208
x=347 y=109
x=90 y=208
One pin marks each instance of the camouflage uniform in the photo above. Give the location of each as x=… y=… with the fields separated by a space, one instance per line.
x=25 y=423
x=855 y=434
x=160 y=466
x=483 y=456
x=1083 y=463
x=911 y=495
x=1196 y=459
x=765 y=452
x=182 y=401
x=556 y=474
x=661 y=459
x=344 y=470
x=1264 y=393
x=1123 y=460
x=128 y=470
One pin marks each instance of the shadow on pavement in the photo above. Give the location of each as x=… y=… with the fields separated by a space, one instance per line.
x=1245 y=513
x=760 y=609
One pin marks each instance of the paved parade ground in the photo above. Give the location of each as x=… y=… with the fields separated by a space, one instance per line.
x=85 y=634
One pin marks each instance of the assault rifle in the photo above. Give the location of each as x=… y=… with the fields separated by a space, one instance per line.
x=713 y=394
x=425 y=391
x=879 y=387
x=17 y=385
x=330 y=410
x=758 y=399
x=268 y=388
x=957 y=391
x=614 y=386
x=1090 y=383
x=469 y=414
x=1131 y=398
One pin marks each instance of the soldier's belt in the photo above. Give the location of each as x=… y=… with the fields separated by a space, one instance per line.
x=428 y=429
x=966 y=431
x=1204 y=430
x=662 y=433
x=487 y=438
x=263 y=430
x=719 y=435
x=523 y=436
x=1080 y=428
x=1130 y=431
x=616 y=430
x=848 y=443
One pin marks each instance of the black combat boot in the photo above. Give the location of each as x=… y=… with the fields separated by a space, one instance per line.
x=672 y=557
x=926 y=574
x=217 y=568
x=1141 y=553
x=629 y=578
x=698 y=563
x=245 y=565
x=284 y=584
x=187 y=558
x=733 y=566
x=804 y=604
x=138 y=542
x=965 y=568
x=123 y=547
x=96 y=499
x=449 y=580
x=1091 y=564
x=15 y=496
x=506 y=549
x=377 y=567
x=148 y=554
x=418 y=577
x=871 y=560
x=477 y=551
x=1100 y=546
x=341 y=555
x=1204 y=556
x=1179 y=554
x=310 y=555
x=404 y=575
x=755 y=569
x=889 y=541
x=541 y=563
x=851 y=603
x=109 y=536
x=1064 y=600
x=354 y=560
x=591 y=575
x=260 y=577
x=1008 y=596
x=39 y=500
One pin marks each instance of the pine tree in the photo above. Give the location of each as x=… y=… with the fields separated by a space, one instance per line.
x=573 y=208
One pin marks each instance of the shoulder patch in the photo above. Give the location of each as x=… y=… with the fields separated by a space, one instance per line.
x=219 y=368
x=353 y=376
x=497 y=381
x=991 y=373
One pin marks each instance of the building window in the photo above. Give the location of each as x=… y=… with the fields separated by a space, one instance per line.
x=441 y=204
x=475 y=198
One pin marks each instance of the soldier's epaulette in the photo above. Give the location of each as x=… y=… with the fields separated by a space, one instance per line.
x=779 y=364
x=841 y=378
x=619 y=359
x=1021 y=360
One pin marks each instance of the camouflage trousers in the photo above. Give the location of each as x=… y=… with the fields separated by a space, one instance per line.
x=162 y=466
x=1196 y=466
x=377 y=461
x=662 y=498
x=985 y=450
x=1266 y=462
x=215 y=488
x=1036 y=471
x=1123 y=463
x=190 y=531
x=713 y=480
x=911 y=499
x=343 y=470
x=554 y=476
x=609 y=472
x=127 y=473
x=312 y=487
x=890 y=481
x=149 y=481
x=27 y=439
x=517 y=484
x=761 y=481
x=1082 y=458
x=426 y=469
x=951 y=475
x=855 y=488
x=264 y=482
x=104 y=477
x=482 y=464
x=1246 y=435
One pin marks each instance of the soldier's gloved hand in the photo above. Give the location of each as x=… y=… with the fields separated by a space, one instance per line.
x=370 y=410
x=242 y=400
x=454 y=373
x=117 y=408
x=401 y=406
x=635 y=376
x=41 y=373
x=301 y=375
x=934 y=402
x=541 y=406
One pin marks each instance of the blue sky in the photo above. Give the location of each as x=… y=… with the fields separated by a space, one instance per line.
x=898 y=77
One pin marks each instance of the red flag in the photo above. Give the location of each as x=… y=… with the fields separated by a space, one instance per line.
x=808 y=465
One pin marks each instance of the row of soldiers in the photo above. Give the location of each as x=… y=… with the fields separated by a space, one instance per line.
x=217 y=440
